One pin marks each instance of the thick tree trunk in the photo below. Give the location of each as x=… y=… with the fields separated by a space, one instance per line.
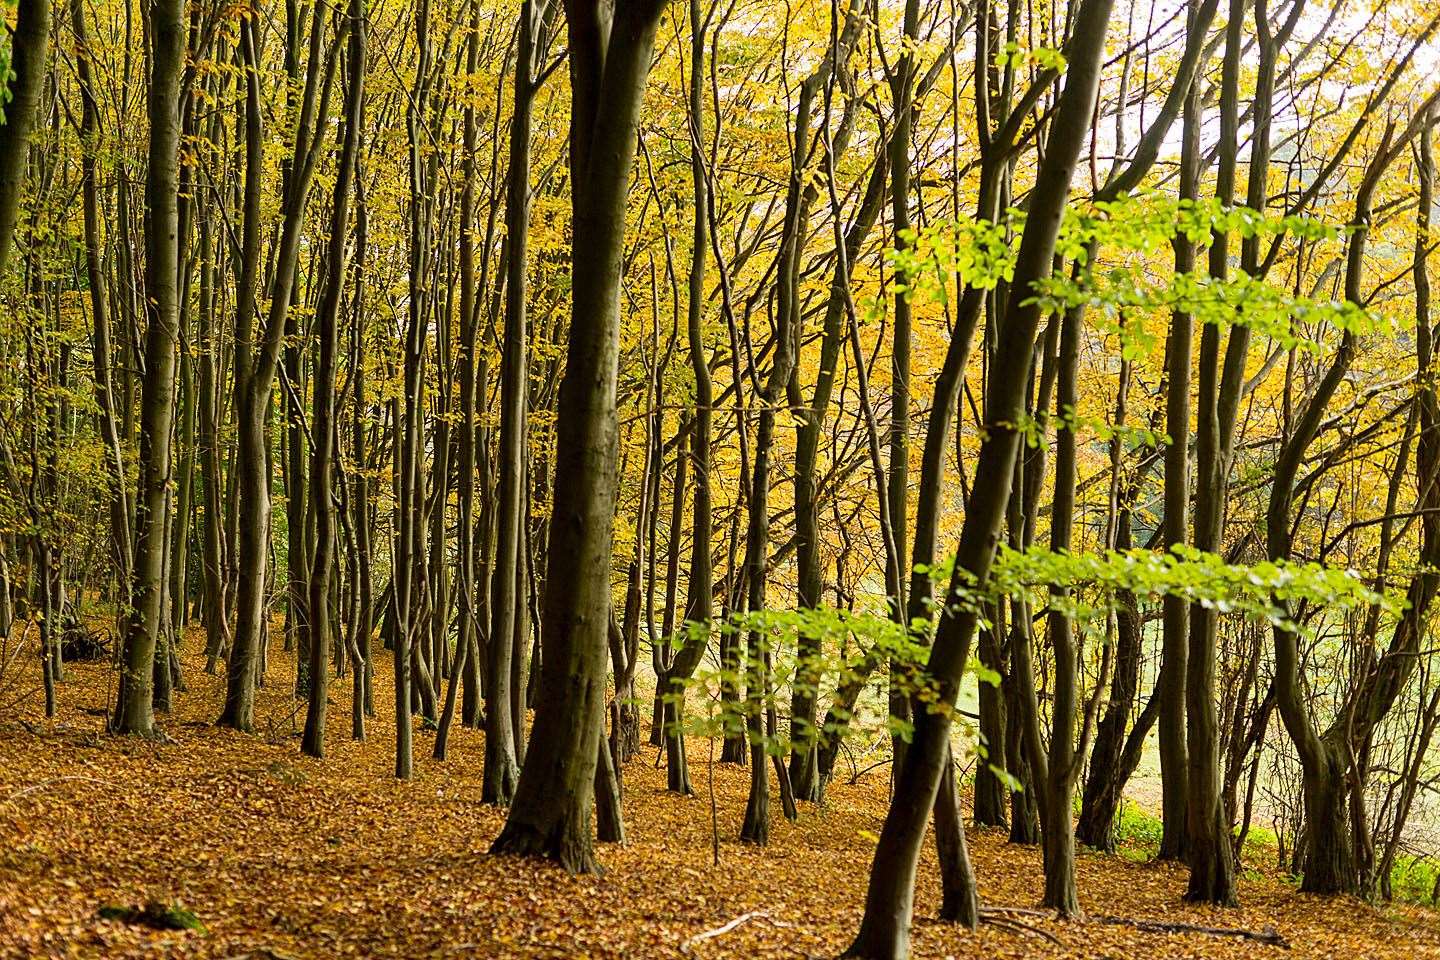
x=551 y=812
x=29 y=50
x=1329 y=863
x=959 y=903
x=990 y=790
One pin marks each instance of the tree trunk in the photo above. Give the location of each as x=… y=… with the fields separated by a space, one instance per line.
x=959 y=901
x=1207 y=831
x=322 y=459
x=551 y=811
x=29 y=50
x=506 y=596
x=102 y=345
x=885 y=930
x=1109 y=771
x=167 y=29
x=990 y=790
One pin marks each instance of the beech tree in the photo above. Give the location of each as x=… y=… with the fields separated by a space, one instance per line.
x=609 y=59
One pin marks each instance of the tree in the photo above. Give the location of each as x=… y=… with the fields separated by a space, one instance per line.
x=885 y=928
x=167 y=29
x=550 y=814
x=508 y=590
x=322 y=465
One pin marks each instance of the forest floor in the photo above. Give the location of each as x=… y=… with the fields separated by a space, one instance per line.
x=280 y=856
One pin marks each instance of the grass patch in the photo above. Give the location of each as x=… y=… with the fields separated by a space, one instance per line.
x=1414 y=879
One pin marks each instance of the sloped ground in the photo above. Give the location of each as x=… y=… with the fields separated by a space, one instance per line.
x=281 y=856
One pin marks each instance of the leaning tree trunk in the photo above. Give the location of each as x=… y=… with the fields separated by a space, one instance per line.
x=1110 y=759
x=1325 y=758
x=885 y=929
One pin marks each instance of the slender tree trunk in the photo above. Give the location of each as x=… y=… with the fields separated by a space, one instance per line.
x=897 y=480
x=698 y=594
x=506 y=594
x=364 y=626
x=804 y=770
x=1207 y=830
x=251 y=515
x=885 y=930
x=467 y=641
x=322 y=460
x=1111 y=763
x=167 y=29
x=102 y=340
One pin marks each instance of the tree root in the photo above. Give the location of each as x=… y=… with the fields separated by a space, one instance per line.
x=1003 y=919
x=1267 y=934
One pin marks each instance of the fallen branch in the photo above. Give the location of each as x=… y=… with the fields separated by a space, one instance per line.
x=725 y=928
x=1268 y=934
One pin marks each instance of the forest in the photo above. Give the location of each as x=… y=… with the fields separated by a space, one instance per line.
x=629 y=478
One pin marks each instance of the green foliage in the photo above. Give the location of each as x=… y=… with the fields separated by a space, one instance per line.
x=1267 y=591
x=1137 y=829
x=1139 y=229
x=1238 y=300
x=1414 y=879
x=7 y=76
x=775 y=649
x=156 y=915
x=809 y=649
x=1046 y=58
